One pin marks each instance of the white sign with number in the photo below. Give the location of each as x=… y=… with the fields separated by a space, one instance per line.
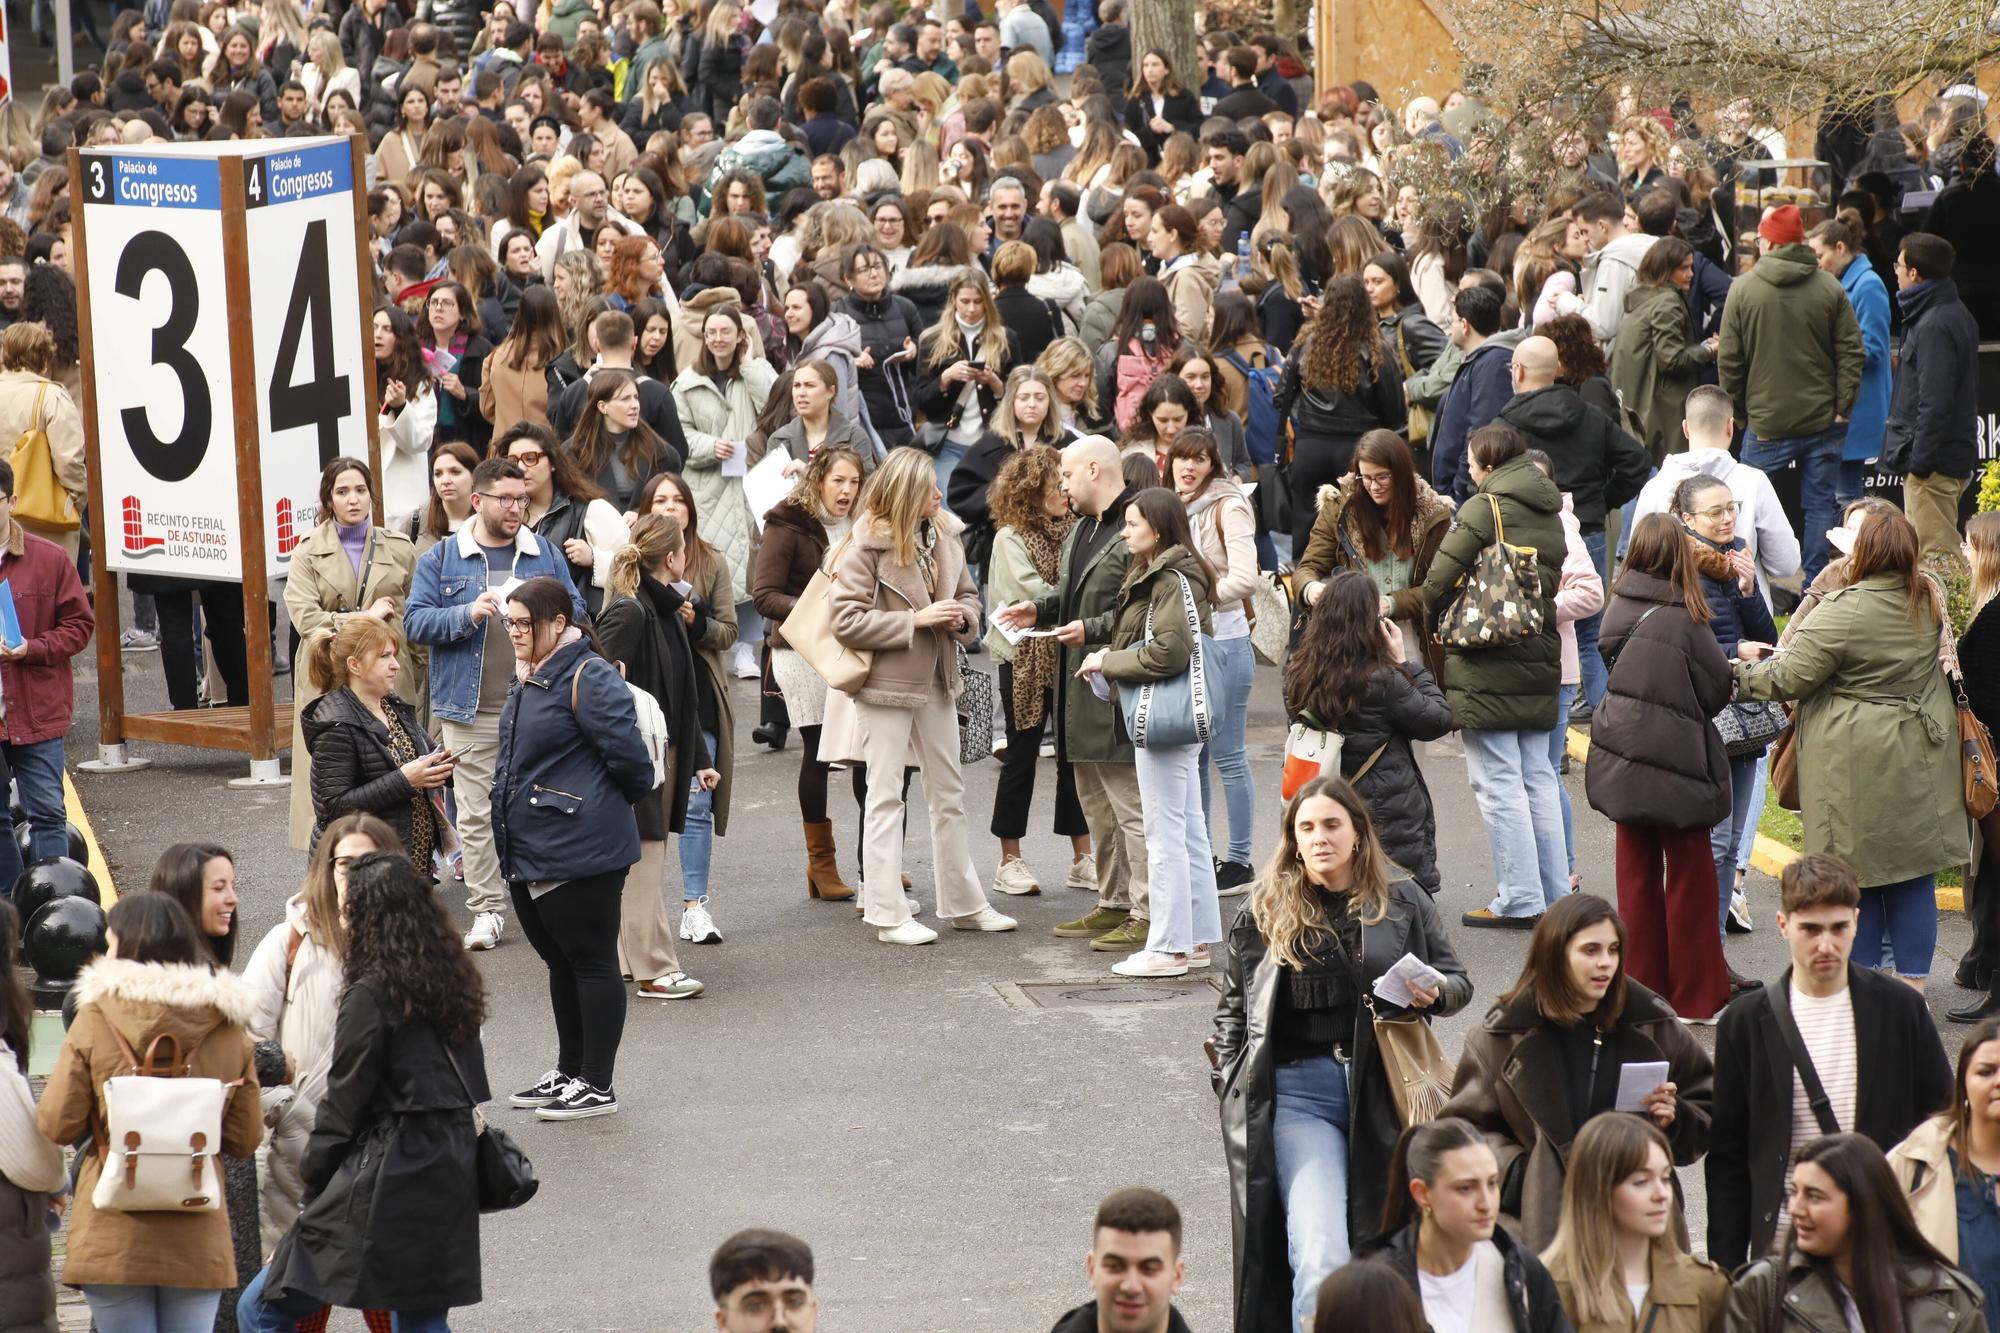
x=310 y=362
x=159 y=302
x=160 y=362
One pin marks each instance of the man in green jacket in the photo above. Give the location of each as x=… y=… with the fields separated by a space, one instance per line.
x=1090 y=734
x=1791 y=357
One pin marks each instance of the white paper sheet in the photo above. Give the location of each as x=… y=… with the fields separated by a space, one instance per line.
x=1016 y=635
x=764 y=485
x=737 y=464
x=1636 y=1080
x=1398 y=984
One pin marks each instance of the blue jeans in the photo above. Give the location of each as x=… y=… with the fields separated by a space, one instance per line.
x=698 y=834
x=1722 y=839
x=949 y=456
x=749 y=625
x=1818 y=457
x=125 y=1309
x=1746 y=840
x=1180 y=870
x=38 y=776
x=1515 y=786
x=1908 y=911
x=1558 y=742
x=1596 y=677
x=1235 y=668
x=1309 y=1137
x=1850 y=485
x=254 y=1314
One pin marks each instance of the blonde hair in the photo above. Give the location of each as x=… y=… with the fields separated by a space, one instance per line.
x=360 y=637
x=654 y=537
x=1585 y=1250
x=1026 y=73
x=1982 y=535
x=805 y=491
x=892 y=505
x=721 y=23
x=945 y=345
x=1285 y=904
x=1004 y=425
x=1068 y=356
x=920 y=168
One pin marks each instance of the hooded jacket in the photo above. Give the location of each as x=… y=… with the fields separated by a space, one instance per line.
x=1870 y=418
x=1934 y=410
x=1761 y=521
x=1511 y=688
x=207 y=1013
x=837 y=341
x=769 y=154
x=1655 y=755
x=1191 y=281
x=1596 y=462
x=1656 y=364
x=297 y=992
x=1607 y=276
x=1790 y=355
x=1066 y=286
x=1155 y=590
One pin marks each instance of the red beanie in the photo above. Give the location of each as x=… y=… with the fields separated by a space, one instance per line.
x=1782 y=226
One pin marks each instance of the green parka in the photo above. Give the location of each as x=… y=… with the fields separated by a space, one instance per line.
x=1511 y=688
x=1088 y=730
x=1655 y=364
x=1135 y=659
x=1879 y=782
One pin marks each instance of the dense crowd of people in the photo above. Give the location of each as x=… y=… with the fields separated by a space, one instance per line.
x=834 y=348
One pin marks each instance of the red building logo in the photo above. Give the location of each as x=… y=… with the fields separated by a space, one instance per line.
x=138 y=544
x=288 y=535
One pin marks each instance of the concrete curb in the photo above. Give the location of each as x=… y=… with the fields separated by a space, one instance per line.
x=1768 y=854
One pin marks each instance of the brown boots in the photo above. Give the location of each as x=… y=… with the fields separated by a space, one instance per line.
x=822 y=871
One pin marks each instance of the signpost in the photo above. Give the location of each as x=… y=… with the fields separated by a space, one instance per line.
x=223 y=311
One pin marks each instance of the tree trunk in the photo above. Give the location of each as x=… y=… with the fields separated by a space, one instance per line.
x=1170 y=28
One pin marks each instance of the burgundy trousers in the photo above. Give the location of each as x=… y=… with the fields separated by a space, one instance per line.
x=1666 y=893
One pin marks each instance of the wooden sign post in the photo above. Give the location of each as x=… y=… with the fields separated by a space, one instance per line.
x=228 y=356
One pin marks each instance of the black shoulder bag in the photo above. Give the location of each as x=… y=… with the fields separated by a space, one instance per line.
x=1795 y=1045
x=505 y=1176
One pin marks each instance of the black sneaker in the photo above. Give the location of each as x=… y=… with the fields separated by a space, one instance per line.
x=1232 y=878
x=580 y=1101
x=1579 y=713
x=546 y=1090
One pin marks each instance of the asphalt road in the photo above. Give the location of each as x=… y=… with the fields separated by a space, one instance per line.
x=939 y=1136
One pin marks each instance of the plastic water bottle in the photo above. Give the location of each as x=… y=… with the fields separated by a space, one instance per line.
x=1243 y=256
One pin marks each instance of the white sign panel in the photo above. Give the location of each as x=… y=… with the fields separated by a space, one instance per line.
x=160 y=361
x=304 y=299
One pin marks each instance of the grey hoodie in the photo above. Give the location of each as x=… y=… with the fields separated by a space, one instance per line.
x=1607 y=276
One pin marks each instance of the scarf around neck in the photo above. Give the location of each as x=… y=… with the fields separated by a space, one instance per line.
x=523 y=670
x=1035 y=659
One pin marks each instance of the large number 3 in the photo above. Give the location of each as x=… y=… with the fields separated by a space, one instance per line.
x=175 y=459
x=323 y=400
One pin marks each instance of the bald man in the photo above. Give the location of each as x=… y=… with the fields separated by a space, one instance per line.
x=1598 y=464
x=590 y=212
x=1088 y=731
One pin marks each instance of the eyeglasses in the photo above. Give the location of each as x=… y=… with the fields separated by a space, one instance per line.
x=1717 y=513
x=504 y=501
x=529 y=457
x=870 y=266
x=1378 y=481
x=518 y=624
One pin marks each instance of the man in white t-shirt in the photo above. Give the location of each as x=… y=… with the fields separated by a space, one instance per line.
x=1869 y=1038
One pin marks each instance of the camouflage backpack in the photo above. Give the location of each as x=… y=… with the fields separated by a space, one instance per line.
x=1500 y=601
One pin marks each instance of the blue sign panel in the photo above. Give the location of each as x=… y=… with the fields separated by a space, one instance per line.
x=293 y=174
x=145 y=181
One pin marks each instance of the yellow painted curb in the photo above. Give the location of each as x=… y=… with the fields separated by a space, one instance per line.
x=1767 y=854
x=73 y=809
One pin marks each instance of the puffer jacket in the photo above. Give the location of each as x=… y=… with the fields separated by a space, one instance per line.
x=880 y=328
x=1655 y=755
x=1153 y=589
x=1512 y=688
x=925 y=289
x=353 y=769
x=1100 y=316
x=709 y=414
x=1330 y=414
x=837 y=341
x=1734 y=614
x=296 y=981
x=1399 y=705
x=875 y=601
x=463 y=20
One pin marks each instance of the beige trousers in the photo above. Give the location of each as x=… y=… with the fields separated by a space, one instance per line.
x=1931 y=504
x=476 y=746
x=927 y=737
x=1109 y=794
x=645 y=930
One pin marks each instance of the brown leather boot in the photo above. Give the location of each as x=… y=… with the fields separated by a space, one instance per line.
x=822 y=871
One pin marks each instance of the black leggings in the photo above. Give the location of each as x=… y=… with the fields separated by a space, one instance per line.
x=813 y=778
x=574 y=927
x=771 y=705
x=1317 y=460
x=222 y=616
x=1016 y=790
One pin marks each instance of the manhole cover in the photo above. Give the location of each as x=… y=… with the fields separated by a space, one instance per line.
x=1090 y=994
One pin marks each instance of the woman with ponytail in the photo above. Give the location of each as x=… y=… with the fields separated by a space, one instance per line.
x=369 y=755
x=642 y=631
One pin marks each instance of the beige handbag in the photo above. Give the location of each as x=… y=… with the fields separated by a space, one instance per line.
x=1419 y=1073
x=162 y=1134
x=808 y=631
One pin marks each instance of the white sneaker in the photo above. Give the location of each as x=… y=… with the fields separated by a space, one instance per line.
x=1049 y=749
x=697 y=927
x=746 y=662
x=1148 y=963
x=985 y=919
x=910 y=932
x=1082 y=874
x=485 y=932
x=1015 y=878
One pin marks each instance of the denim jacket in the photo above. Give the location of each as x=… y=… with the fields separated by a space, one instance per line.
x=450 y=576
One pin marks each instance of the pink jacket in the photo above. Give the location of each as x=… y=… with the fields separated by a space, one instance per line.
x=1579 y=595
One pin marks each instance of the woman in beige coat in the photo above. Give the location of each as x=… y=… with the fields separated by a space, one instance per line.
x=902 y=594
x=29 y=399
x=347 y=566
x=157 y=986
x=1948 y=1164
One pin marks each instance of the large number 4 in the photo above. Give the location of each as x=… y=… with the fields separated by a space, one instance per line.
x=323 y=400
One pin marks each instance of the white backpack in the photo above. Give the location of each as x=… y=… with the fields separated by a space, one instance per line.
x=163 y=1134
x=652 y=722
